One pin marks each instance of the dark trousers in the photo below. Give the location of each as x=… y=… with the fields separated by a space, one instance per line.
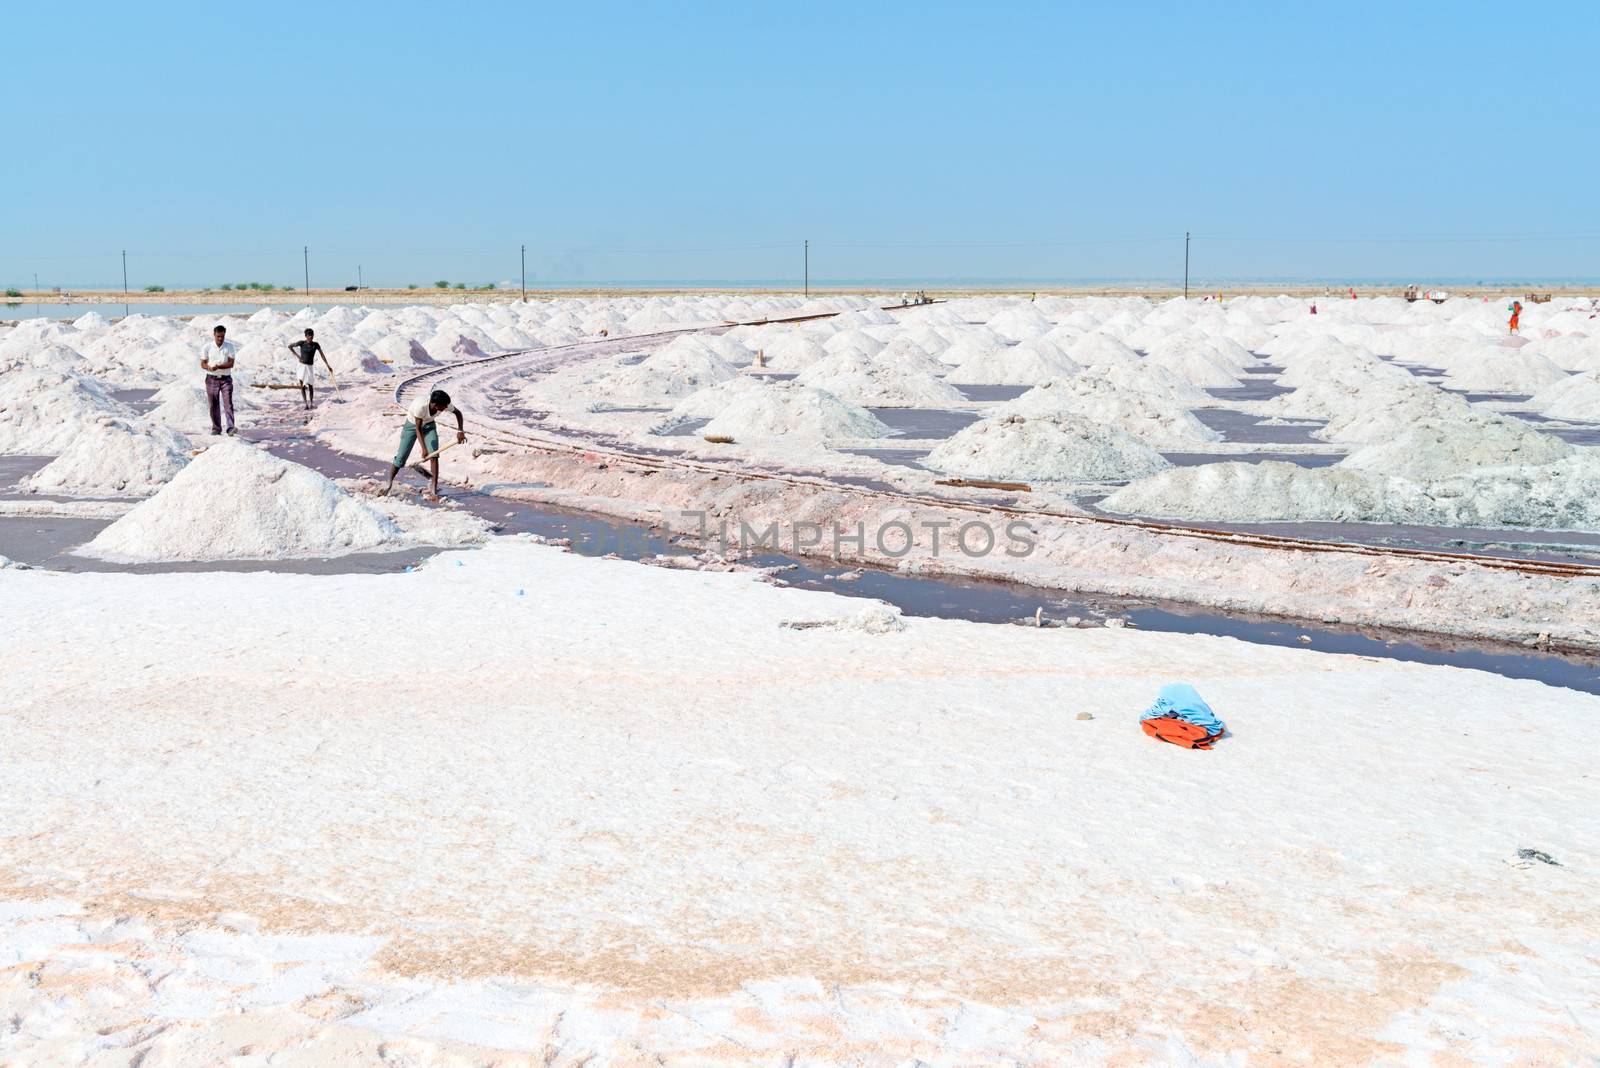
x=220 y=388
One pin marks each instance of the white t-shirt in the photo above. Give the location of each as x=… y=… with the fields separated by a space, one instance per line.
x=219 y=354
x=418 y=409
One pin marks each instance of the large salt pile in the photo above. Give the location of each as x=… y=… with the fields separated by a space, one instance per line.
x=710 y=402
x=1572 y=352
x=794 y=412
x=1196 y=362
x=856 y=341
x=1154 y=420
x=1576 y=398
x=1240 y=493
x=1359 y=396
x=1497 y=369
x=1442 y=448
x=1560 y=496
x=1020 y=322
x=401 y=351
x=237 y=502
x=113 y=458
x=1015 y=447
x=184 y=405
x=786 y=349
x=1024 y=364
x=48 y=357
x=1098 y=350
x=676 y=370
x=880 y=382
x=41 y=412
x=456 y=344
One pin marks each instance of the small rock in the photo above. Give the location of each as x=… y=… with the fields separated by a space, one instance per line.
x=1086 y=715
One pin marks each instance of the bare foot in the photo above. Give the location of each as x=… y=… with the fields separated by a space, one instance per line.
x=431 y=496
x=384 y=492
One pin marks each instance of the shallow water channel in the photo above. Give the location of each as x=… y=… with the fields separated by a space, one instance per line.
x=47 y=542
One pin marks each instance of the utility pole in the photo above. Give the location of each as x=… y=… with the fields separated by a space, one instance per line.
x=358 y=278
x=1186 y=265
x=124 y=278
x=808 y=267
x=524 y=274
x=305 y=255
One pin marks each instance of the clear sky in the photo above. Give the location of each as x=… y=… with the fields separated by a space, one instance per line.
x=704 y=141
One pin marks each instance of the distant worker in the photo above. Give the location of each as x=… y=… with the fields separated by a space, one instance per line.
x=1516 y=315
x=1313 y=307
x=420 y=425
x=216 y=360
x=307 y=351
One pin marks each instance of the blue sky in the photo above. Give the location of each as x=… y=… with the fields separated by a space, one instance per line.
x=684 y=141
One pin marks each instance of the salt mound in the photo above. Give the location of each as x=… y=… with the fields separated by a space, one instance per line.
x=1443 y=448
x=41 y=412
x=886 y=387
x=185 y=406
x=401 y=351
x=889 y=379
x=1155 y=421
x=113 y=458
x=237 y=502
x=788 y=350
x=1575 y=398
x=1262 y=492
x=1195 y=365
x=51 y=357
x=1015 y=447
x=676 y=370
x=453 y=344
x=852 y=341
x=1573 y=352
x=710 y=402
x=1558 y=496
x=1192 y=343
x=1027 y=364
x=1493 y=369
x=1362 y=398
x=793 y=411
x=1157 y=382
x=1020 y=322
x=1100 y=350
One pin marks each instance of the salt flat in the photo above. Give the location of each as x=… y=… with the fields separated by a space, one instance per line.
x=521 y=806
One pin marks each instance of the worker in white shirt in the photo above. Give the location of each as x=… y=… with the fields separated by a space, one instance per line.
x=420 y=425
x=216 y=360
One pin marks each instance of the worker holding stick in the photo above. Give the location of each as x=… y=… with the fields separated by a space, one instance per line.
x=420 y=425
x=306 y=352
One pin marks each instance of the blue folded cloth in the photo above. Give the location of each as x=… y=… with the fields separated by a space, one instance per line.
x=1184 y=701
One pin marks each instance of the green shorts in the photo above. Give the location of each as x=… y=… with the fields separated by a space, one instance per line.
x=408 y=438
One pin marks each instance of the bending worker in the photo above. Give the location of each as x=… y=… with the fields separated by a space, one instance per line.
x=420 y=424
